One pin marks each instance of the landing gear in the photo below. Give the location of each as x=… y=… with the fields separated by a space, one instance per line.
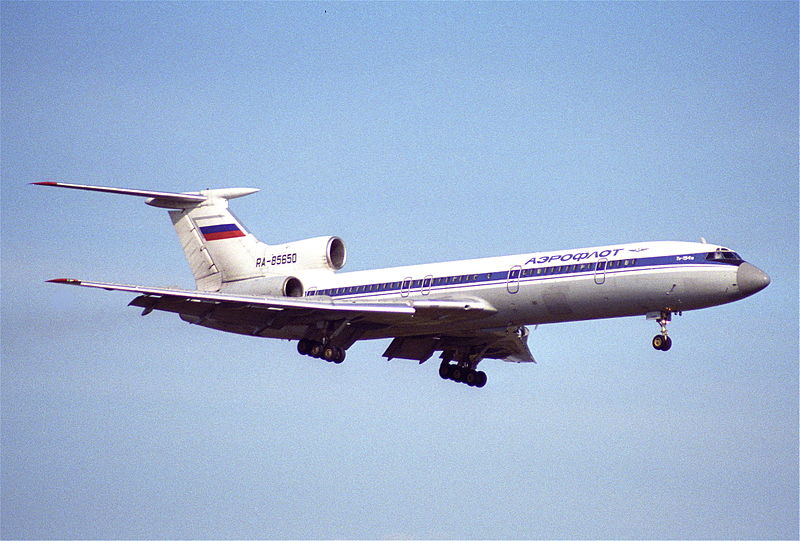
x=662 y=342
x=462 y=374
x=318 y=350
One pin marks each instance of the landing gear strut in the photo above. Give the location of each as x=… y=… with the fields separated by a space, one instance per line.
x=663 y=342
x=318 y=350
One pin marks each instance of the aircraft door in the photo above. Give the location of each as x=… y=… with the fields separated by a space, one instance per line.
x=426 y=284
x=405 y=287
x=600 y=272
x=513 y=279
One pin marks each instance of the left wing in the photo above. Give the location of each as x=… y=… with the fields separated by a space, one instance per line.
x=291 y=310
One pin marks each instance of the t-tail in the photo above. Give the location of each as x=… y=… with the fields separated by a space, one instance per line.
x=222 y=254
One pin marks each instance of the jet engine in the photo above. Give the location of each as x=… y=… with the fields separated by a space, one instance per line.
x=318 y=253
x=269 y=286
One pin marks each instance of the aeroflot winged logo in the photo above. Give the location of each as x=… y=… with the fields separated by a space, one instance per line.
x=219 y=232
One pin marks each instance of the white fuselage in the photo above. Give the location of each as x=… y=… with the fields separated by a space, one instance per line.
x=548 y=287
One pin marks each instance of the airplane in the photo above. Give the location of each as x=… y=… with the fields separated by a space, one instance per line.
x=468 y=310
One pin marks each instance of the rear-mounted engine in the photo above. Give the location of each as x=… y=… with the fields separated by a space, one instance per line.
x=327 y=253
x=270 y=286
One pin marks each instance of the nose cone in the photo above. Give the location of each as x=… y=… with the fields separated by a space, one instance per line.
x=751 y=279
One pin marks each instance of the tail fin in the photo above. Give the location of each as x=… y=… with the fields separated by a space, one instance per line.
x=217 y=246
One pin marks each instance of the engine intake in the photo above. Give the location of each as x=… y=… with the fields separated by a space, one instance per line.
x=328 y=253
x=336 y=253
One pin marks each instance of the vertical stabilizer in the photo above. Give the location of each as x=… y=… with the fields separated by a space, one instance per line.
x=217 y=246
x=205 y=272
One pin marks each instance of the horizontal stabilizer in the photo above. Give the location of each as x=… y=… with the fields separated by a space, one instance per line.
x=179 y=200
x=168 y=200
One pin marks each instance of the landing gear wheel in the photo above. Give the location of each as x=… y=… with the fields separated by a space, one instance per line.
x=304 y=346
x=461 y=374
x=471 y=378
x=340 y=355
x=661 y=342
x=318 y=350
x=329 y=353
x=333 y=354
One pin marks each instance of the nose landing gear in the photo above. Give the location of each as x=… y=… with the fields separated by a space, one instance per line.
x=662 y=342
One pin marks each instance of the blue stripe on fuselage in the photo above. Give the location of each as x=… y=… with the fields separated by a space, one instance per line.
x=446 y=283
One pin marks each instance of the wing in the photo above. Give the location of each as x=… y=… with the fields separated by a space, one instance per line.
x=247 y=314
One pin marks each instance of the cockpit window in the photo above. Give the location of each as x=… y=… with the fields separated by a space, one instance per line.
x=724 y=255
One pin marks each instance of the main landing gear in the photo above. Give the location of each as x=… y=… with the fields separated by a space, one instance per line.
x=662 y=342
x=464 y=369
x=462 y=374
x=318 y=350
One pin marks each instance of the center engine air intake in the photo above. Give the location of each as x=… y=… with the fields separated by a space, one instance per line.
x=336 y=252
x=328 y=253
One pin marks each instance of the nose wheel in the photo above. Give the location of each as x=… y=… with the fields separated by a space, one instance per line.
x=662 y=342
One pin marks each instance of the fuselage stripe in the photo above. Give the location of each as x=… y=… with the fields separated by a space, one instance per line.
x=521 y=275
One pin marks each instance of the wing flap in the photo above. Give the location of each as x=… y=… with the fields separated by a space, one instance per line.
x=508 y=344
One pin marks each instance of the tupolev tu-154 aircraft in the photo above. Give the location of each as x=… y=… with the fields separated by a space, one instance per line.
x=468 y=310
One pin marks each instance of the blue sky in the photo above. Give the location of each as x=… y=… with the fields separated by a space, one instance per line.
x=416 y=132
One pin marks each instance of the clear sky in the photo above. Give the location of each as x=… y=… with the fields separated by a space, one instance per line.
x=417 y=132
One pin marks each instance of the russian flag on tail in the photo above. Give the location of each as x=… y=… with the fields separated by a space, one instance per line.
x=219 y=232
